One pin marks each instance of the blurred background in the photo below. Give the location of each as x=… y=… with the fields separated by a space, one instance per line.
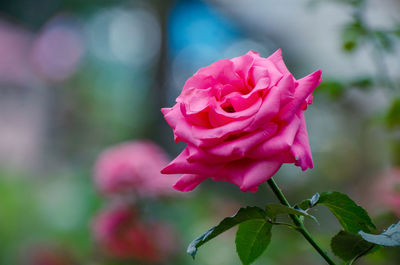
x=77 y=77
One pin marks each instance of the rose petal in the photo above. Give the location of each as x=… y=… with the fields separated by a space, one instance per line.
x=240 y=146
x=201 y=155
x=210 y=137
x=281 y=142
x=223 y=72
x=196 y=100
x=239 y=101
x=228 y=89
x=181 y=127
x=180 y=165
x=248 y=174
x=269 y=108
x=242 y=65
x=301 y=147
x=198 y=136
x=188 y=182
x=219 y=117
x=277 y=59
x=197 y=81
x=305 y=87
x=286 y=87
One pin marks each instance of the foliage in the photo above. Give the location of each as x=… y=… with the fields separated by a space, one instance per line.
x=254 y=232
x=347 y=246
x=252 y=238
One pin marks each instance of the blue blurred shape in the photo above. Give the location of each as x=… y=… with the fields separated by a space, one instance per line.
x=196 y=23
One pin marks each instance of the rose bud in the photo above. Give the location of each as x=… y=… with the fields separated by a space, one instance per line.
x=241 y=120
x=133 y=168
x=122 y=235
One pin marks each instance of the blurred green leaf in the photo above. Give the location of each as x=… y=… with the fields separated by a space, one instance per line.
x=352 y=35
x=348 y=246
x=333 y=88
x=274 y=210
x=390 y=237
x=392 y=117
x=384 y=40
x=252 y=238
x=396 y=30
x=244 y=214
x=362 y=83
x=352 y=217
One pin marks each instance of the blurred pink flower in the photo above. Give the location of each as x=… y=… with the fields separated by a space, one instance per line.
x=133 y=168
x=15 y=44
x=241 y=118
x=121 y=234
x=57 y=50
x=387 y=190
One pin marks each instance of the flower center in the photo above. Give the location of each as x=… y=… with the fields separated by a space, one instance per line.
x=229 y=108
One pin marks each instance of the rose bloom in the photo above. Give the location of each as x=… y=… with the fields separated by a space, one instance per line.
x=121 y=234
x=133 y=168
x=241 y=119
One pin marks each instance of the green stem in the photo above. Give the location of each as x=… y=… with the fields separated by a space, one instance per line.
x=296 y=220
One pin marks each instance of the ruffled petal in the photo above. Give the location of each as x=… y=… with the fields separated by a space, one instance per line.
x=196 y=100
x=203 y=156
x=180 y=165
x=301 y=147
x=211 y=137
x=277 y=59
x=281 y=142
x=305 y=87
x=197 y=81
x=188 y=182
x=223 y=72
x=218 y=117
x=269 y=108
x=242 y=65
x=239 y=147
x=181 y=127
x=286 y=87
x=248 y=174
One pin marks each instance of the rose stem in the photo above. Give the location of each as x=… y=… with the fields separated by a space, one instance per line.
x=296 y=220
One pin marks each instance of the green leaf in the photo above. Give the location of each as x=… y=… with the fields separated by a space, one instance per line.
x=348 y=246
x=252 y=238
x=309 y=203
x=352 y=217
x=244 y=214
x=390 y=237
x=274 y=210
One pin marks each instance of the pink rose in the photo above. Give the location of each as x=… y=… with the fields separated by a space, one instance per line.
x=241 y=119
x=133 y=168
x=121 y=234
